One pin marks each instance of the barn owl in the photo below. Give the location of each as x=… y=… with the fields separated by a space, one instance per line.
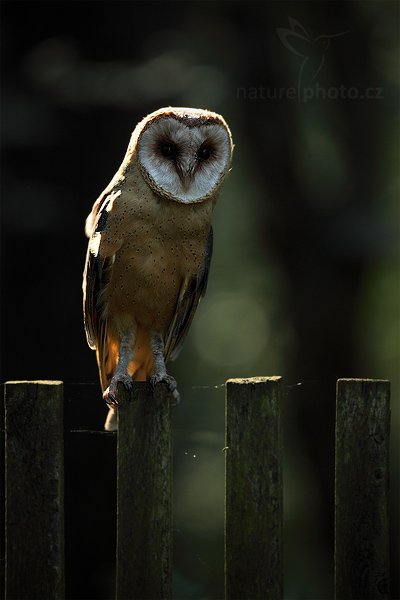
x=150 y=246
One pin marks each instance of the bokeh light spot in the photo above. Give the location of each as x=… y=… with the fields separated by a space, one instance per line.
x=233 y=331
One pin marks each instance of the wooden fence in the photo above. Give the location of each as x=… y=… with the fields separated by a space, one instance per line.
x=34 y=450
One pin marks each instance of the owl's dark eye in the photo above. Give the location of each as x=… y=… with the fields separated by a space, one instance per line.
x=168 y=149
x=204 y=152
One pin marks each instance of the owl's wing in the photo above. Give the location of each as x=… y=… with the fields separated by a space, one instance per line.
x=97 y=271
x=192 y=290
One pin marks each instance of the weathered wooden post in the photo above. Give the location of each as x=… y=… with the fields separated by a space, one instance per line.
x=361 y=489
x=253 y=492
x=144 y=504
x=34 y=452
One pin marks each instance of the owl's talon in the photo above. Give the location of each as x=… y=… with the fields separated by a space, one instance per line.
x=110 y=398
x=170 y=382
x=110 y=395
x=176 y=396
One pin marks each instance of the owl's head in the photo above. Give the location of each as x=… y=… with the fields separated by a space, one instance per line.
x=184 y=153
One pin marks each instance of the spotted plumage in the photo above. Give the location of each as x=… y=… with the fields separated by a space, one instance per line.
x=150 y=246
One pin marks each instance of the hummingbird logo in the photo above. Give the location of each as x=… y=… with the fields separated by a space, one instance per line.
x=312 y=50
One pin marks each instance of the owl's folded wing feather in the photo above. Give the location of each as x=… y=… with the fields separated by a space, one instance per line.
x=192 y=290
x=97 y=271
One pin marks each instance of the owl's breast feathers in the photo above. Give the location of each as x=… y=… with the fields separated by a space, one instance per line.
x=147 y=265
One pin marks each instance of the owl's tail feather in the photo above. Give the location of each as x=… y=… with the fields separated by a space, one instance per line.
x=107 y=360
x=107 y=351
x=111 y=423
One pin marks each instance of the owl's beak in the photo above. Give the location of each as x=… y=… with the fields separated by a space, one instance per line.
x=185 y=172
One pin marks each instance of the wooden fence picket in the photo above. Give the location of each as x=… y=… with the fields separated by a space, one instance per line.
x=361 y=489
x=144 y=495
x=253 y=492
x=34 y=486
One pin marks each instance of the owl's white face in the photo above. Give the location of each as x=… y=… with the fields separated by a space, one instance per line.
x=185 y=153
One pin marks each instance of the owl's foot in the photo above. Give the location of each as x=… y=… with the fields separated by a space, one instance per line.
x=171 y=384
x=110 y=395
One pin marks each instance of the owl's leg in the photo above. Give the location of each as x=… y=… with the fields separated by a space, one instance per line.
x=160 y=371
x=110 y=395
